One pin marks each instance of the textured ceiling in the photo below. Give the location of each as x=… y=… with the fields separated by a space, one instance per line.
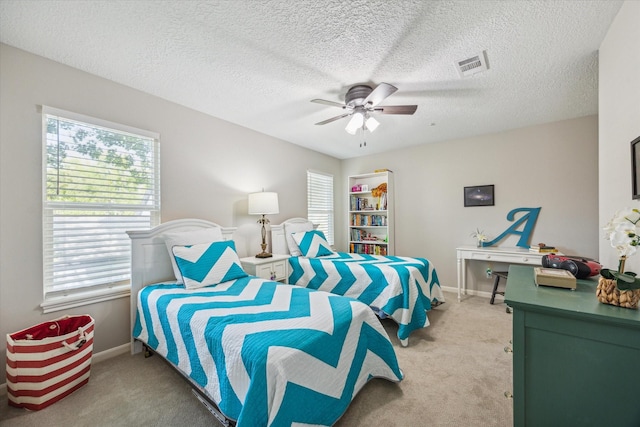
x=259 y=63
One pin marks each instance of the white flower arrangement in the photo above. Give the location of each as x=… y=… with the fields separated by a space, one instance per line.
x=479 y=236
x=623 y=230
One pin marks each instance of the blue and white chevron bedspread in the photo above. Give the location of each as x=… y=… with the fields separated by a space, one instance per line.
x=267 y=353
x=403 y=288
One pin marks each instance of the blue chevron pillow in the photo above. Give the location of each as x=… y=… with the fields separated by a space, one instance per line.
x=312 y=243
x=208 y=264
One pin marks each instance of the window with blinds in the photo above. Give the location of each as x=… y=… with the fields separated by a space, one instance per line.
x=102 y=179
x=320 y=202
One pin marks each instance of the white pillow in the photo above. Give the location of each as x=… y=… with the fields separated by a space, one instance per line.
x=186 y=238
x=295 y=227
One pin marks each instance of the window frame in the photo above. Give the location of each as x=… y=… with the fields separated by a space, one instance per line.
x=329 y=229
x=62 y=299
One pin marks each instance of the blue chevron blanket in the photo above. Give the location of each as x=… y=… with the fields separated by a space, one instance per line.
x=267 y=353
x=402 y=288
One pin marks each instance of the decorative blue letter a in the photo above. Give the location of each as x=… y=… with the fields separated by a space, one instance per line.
x=529 y=218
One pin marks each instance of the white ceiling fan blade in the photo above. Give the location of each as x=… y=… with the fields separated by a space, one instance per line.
x=333 y=119
x=379 y=94
x=330 y=103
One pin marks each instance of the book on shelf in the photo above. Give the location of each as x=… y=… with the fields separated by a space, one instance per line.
x=365 y=203
x=360 y=220
x=383 y=202
x=360 y=203
x=362 y=235
x=368 y=249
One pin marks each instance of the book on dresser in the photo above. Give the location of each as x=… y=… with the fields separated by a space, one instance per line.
x=370 y=221
x=554 y=277
x=541 y=248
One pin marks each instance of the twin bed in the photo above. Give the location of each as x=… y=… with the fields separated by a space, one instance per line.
x=264 y=353
x=402 y=288
x=257 y=352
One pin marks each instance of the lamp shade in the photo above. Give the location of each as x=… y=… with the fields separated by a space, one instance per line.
x=355 y=123
x=371 y=124
x=263 y=203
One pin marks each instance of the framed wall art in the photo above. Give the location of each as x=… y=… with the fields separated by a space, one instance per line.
x=635 y=164
x=479 y=195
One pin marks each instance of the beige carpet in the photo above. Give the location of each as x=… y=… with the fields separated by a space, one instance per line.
x=456 y=373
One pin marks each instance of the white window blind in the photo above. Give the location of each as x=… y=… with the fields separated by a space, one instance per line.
x=320 y=202
x=101 y=179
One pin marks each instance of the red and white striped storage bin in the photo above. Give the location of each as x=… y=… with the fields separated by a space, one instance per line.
x=49 y=361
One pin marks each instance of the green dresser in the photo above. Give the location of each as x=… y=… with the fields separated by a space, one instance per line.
x=576 y=361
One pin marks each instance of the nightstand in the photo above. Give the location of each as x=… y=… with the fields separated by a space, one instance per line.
x=272 y=268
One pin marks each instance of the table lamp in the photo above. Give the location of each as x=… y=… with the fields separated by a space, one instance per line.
x=263 y=203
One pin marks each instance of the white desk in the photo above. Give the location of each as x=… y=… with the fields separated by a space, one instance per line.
x=492 y=254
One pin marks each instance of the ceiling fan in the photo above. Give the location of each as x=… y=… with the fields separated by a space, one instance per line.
x=361 y=101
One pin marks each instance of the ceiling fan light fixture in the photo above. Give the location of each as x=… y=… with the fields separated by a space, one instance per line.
x=371 y=124
x=355 y=123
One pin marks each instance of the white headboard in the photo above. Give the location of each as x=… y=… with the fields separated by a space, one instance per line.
x=150 y=262
x=278 y=240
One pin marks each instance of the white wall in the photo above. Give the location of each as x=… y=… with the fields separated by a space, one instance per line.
x=553 y=166
x=619 y=120
x=208 y=168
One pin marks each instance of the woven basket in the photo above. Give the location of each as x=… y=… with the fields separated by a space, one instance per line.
x=608 y=293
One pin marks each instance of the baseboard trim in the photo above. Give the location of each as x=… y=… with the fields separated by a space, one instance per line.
x=112 y=352
x=483 y=294
x=96 y=358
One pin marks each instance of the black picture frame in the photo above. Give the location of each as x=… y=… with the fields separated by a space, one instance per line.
x=479 y=195
x=635 y=163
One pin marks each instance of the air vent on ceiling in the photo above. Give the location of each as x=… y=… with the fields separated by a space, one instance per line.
x=474 y=65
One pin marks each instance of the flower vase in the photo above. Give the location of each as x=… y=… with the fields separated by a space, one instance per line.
x=478 y=244
x=607 y=292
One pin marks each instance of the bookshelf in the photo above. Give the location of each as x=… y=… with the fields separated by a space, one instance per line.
x=370 y=221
